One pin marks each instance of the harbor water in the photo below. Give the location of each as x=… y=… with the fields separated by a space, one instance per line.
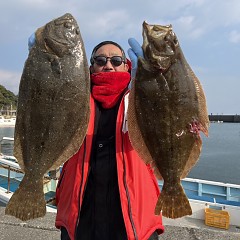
x=220 y=156
x=6 y=146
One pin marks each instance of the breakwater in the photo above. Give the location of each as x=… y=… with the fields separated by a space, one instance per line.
x=224 y=118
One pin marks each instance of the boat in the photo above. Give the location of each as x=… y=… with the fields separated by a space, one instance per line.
x=11 y=176
x=7 y=122
x=204 y=195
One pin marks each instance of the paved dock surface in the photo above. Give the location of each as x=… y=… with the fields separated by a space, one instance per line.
x=12 y=228
x=187 y=228
x=180 y=229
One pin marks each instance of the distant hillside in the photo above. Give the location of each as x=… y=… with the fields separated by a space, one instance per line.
x=7 y=98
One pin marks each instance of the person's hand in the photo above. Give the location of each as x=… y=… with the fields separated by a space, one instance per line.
x=134 y=52
x=31 y=41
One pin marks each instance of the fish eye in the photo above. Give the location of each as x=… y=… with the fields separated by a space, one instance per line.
x=77 y=31
x=155 y=28
x=175 y=41
x=67 y=25
x=166 y=38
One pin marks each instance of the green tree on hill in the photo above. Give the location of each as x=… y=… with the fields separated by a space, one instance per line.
x=7 y=98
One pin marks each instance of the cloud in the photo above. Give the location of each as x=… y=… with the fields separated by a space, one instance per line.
x=234 y=36
x=188 y=26
x=10 y=80
x=192 y=18
x=108 y=24
x=206 y=31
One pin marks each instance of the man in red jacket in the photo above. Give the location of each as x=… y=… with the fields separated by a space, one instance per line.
x=106 y=191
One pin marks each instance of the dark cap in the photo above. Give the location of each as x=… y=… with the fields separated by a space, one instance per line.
x=105 y=43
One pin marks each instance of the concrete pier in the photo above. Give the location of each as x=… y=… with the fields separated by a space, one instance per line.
x=185 y=228
x=224 y=118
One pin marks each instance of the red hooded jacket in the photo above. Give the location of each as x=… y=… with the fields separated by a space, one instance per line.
x=138 y=186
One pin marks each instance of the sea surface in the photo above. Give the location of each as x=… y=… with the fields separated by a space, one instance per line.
x=220 y=156
x=6 y=147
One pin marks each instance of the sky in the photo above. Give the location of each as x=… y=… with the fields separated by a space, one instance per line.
x=208 y=32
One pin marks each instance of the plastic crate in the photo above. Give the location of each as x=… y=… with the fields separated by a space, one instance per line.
x=217 y=218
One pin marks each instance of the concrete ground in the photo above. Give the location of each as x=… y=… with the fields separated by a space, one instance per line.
x=187 y=228
x=180 y=229
x=12 y=228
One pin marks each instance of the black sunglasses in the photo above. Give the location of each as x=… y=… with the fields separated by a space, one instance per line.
x=101 y=61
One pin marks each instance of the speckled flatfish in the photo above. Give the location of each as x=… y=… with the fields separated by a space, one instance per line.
x=167 y=110
x=52 y=111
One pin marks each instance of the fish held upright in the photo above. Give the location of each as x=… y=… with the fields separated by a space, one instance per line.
x=52 y=113
x=167 y=110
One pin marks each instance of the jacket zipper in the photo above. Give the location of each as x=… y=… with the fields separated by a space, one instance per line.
x=80 y=190
x=127 y=192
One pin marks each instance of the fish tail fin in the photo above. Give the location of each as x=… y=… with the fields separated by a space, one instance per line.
x=173 y=202
x=27 y=203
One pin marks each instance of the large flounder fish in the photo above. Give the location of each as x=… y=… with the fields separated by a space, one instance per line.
x=52 y=112
x=167 y=109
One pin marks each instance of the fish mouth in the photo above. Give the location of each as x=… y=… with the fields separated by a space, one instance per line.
x=162 y=38
x=61 y=34
x=160 y=44
x=64 y=43
x=159 y=28
x=60 y=48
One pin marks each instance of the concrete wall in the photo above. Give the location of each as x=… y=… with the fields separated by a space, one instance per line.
x=225 y=118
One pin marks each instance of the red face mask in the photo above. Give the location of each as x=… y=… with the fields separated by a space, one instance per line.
x=107 y=87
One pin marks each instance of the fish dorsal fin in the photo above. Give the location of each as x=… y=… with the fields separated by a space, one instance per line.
x=203 y=114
